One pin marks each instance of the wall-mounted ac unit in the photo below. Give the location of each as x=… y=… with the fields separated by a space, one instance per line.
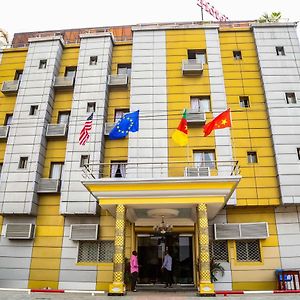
x=56 y=130
x=118 y=80
x=19 y=231
x=108 y=128
x=196 y=171
x=194 y=116
x=241 y=231
x=84 y=232
x=4 y=131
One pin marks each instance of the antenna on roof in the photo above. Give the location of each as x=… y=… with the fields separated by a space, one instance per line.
x=211 y=10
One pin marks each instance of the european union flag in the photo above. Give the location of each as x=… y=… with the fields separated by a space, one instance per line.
x=129 y=122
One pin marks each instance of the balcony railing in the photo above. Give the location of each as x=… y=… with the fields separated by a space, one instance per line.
x=49 y=185
x=162 y=170
x=56 y=130
x=4 y=131
x=108 y=128
x=192 y=67
x=118 y=80
x=64 y=82
x=10 y=87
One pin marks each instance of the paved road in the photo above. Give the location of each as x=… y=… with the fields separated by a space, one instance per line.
x=8 y=295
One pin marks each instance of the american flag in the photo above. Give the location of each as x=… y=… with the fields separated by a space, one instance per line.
x=84 y=133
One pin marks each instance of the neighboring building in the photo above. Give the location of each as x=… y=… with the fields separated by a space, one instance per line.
x=71 y=213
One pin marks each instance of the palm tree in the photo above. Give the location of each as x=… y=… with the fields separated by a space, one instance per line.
x=272 y=18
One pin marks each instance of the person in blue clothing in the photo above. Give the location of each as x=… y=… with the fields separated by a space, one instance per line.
x=167 y=269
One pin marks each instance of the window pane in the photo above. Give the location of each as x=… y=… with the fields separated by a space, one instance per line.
x=88 y=251
x=85 y=159
x=63 y=118
x=106 y=251
x=204 y=159
x=252 y=157
x=56 y=170
x=248 y=250
x=218 y=250
x=204 y=105
x=8 y=119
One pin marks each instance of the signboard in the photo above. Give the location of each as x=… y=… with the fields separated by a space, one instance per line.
x=212 y=11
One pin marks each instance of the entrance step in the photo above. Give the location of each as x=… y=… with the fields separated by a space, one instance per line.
x=161 y=288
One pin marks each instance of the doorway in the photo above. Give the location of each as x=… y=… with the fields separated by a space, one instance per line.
x=151 y=249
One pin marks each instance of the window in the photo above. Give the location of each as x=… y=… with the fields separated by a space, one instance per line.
x=248 y=250
x=280 y=51
x=33 y=110
x=252 y=157
x=118 y=169
x=23 y=162
x=93 y=60
x=43 y=64
x=199 y=55
x=18 y=75
x=201 y=103
x=237 y=55
x=91 y=107
x=119 y=113
x=124 y=69
x=244 y=101
x=96 y=251
x=290 y=98
x=218 y=250
x=70 y=71
x=8 y=119
x=63 y=117
x=56 y=170
x=1 y=166
x=85 y=160
x=204 y=159
x=298 y=152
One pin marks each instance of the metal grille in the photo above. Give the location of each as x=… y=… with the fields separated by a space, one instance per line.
x=248 y=250
x=218 y=250
x=96 y=251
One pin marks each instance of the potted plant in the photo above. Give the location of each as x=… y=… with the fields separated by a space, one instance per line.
x=215 y=268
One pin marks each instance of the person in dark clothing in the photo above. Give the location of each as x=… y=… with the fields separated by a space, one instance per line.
x=167 y=269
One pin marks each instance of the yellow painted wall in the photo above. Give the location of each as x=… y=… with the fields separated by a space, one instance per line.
x=12 y=60
x=255 y=275
x=180 y=88
x=250 y=127
x=118 y=99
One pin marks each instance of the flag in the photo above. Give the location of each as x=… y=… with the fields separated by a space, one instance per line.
x=129 y=122
x=84 y=133
x=219 y=122
x=180 y=135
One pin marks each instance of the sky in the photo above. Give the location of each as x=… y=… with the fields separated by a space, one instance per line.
x=37 y=15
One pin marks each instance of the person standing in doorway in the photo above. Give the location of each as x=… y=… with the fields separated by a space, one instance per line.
x=167 y=269
x=134 y=270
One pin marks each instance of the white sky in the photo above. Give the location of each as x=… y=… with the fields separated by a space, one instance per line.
x=37 y=15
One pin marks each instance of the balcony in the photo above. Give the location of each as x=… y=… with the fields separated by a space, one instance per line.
x=192 y=67
x=49 y=185
x=56 y=130
x=108 y=128
x=4 y=132
x=195 y=117
x=118 y=80
x=64 y=82
x=10 y=87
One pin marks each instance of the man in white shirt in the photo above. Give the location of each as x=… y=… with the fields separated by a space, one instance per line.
x=167 y=269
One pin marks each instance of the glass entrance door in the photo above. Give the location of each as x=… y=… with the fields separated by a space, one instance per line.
x=151 y=249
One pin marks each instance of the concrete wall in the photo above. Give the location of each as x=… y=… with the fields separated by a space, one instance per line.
x=280 y=75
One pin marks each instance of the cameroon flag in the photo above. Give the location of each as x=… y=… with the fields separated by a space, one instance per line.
x=180 y=135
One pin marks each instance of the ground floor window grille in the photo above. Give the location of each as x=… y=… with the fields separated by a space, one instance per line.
x=248 y=250
x=218 y=250
x=96 y=251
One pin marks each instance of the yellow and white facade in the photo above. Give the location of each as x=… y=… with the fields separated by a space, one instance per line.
x=72 y=214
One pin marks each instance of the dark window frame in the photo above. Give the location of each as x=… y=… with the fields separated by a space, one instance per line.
x=91 y=105
x=93 y=60
x=237 y=54
x=33 y=110
x=23 y=162
x=250 y=155
x=43 y=64
x=244 y=101
x=83 y=159
x=280 y=50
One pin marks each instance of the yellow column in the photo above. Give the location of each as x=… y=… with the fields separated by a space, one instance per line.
x=206 y=287
x=118 y=286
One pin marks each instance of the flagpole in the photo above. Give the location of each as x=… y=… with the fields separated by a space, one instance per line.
x=232 y=140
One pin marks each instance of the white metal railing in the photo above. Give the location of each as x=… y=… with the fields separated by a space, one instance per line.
x=160 y=170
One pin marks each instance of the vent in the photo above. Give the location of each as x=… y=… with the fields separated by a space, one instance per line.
x=49 y=185
x=241 y=231
x=194 y=116
x=196 y=171
x=118 y=80
x=55 y=130
x=84 y=232
x=108 y=128
x=4 y=132
x=10 y=86
x=18 y=231
x=62 y=82
x=192 y=67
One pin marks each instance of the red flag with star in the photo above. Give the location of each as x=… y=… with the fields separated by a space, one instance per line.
x=219 y=122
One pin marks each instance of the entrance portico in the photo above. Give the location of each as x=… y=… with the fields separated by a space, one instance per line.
x=194 y=199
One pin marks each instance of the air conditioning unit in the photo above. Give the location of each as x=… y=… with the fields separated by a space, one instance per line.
x=4 y=132
x=194 y=116
x=241 y=231
x=196 y=171
x=19 y=231
x=49 y=185
x=57 y=130
x=84 y=232
x=108 y=128
x=118 y=80
x=192 y=67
